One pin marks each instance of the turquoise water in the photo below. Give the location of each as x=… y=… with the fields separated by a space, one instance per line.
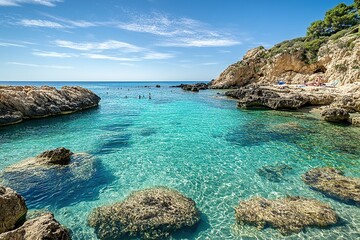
x=197 y=143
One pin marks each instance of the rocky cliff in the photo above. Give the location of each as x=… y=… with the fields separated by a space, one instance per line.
x=331 y=58
x=24 y=102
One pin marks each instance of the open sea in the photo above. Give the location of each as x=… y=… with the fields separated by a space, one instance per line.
x=197 y=143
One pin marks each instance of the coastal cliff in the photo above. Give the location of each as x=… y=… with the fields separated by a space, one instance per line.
x=25 y=102
x=329 y=58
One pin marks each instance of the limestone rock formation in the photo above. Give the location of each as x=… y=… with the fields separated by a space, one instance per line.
x=59 y=156
x=335 y=115
x=289 y=215
x=149 y=214
x=24 y=102
x=332 y=182
x=43 y=227
x=266 y=96
x=296 y=61
x=12 y=209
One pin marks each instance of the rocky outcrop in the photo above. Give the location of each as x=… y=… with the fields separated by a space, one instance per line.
x=194 y=87
x=43 y=227
x=255 y=96
x=148 y=214
x=12 y=209
x=289 y=215
x=24 y=102
x=298 y=60
x=332 y=182
x=59 y=156
x=271 y=97
x=335 y=115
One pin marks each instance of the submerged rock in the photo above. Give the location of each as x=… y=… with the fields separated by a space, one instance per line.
x=274 y=173
x=59 y=156
x=44 y=184
x=23 y=102
x=335 y=115
x=43 y=227
x=12 y=209
x=332 y=182
x=289 y=215
x=149 y=214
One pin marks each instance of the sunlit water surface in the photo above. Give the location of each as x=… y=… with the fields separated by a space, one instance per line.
x=197 y=143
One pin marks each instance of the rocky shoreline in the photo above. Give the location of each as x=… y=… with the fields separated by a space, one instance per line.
x=335 y=104
x=18 y=103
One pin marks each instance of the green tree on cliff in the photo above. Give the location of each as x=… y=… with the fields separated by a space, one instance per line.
x=341 y=17
x=357 y=4
x=336 y=19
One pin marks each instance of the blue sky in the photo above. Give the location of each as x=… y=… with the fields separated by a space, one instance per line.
x=142 y=39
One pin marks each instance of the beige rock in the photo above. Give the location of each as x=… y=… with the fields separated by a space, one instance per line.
x=289 y=215
x=23 y=102
x=149 y=214
x=12 y=209
x=43 y=227
x=337 y=59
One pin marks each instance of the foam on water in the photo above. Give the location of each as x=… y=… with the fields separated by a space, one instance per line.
x=197 y=143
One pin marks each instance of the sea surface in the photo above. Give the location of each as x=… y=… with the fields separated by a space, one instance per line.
x=197 y=143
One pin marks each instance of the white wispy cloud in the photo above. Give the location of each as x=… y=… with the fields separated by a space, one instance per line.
x=7 y=44
x=48 y=3
x=158 y=56
x=107 y=57
x=40 y=23
x=179 y=32
x=39 y=65
x=54 y=54
x=189 y=42
x=99 y=46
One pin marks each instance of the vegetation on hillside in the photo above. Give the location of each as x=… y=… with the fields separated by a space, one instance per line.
x=337 y=22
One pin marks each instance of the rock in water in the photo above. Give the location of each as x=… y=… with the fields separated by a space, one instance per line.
x=59 y=156
x=332 y=182
x=12 y=209
x=18 y=103
x=335 y=115
x=289 y=215
x=43 y=227
x=44 y=180
x=149 y=214
x=274 y=173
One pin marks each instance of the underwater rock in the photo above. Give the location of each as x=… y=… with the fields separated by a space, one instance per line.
x=43 y=227
x=149 y=214
x=25 y=102
x=59 y=156
x=335 y=115
x=289 y=215
x=12 y=209
x=332 y=182
x=273 y=173
x=57 y=185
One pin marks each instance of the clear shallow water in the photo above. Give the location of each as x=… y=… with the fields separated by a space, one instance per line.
x=197 y=143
